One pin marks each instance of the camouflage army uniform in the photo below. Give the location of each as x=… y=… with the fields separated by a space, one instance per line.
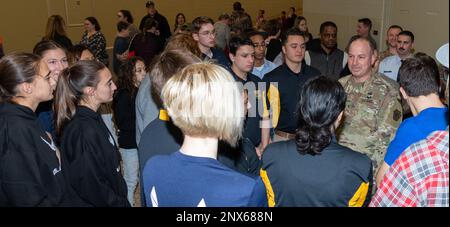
x=372 y=115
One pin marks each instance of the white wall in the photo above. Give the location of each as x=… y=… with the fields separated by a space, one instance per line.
x=345 y=13
x=428 y=20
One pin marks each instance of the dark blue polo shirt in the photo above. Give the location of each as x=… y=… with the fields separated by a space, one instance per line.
x=289 y=87
x=252 y=129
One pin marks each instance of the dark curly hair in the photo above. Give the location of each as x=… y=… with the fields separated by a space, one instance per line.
x=127 y=76
x=321 y=102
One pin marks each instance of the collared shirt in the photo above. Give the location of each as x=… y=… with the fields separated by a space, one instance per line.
x=283 y=86
x=218 y=57
x=390 y=66
x=419 y=177
x=384 y=55
x=267 y=67
x=416 y=128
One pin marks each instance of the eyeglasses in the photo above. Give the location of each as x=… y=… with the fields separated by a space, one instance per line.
x=208 y=33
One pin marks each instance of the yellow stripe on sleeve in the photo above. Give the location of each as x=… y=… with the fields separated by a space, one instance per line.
x=269 y=190
x=360 y=195
x=163 y=115
x=274 y=99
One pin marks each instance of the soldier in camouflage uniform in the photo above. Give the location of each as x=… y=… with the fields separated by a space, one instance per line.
x=373 y=111
x=391 y=42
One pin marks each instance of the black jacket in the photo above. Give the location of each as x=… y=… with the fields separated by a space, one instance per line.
x=147 y=45
x=30 y=173
x=91 y=156
x=125 y=118
x=273 y=49
x=62 y=40
x=163 y=25
x=242 y=158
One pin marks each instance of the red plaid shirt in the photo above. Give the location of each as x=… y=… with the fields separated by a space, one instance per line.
x=419 y=177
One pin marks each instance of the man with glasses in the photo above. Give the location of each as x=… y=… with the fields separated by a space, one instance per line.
x=262 y=66
x=204 y=33
x=329 y=60
x=285 y=82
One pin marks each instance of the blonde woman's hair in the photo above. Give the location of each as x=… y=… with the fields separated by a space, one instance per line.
x=203 y=100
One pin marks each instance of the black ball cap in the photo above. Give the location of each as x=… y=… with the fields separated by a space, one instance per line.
x=149 y=3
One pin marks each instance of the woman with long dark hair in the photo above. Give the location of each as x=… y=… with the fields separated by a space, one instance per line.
x=30 y=166
x=180 y=21
x=89 y=152
x=302 y=24
x=313 y=169
x=56 y=31
x=131 y=74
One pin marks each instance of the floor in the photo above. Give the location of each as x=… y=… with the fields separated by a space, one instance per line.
x=137 y=196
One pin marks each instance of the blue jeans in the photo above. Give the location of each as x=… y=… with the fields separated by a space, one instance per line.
x=130 y=171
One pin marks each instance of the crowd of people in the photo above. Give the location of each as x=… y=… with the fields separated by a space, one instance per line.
x=223 y=114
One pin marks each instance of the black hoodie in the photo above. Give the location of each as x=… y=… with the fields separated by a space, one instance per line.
x=91 y=157
x=30 y=173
